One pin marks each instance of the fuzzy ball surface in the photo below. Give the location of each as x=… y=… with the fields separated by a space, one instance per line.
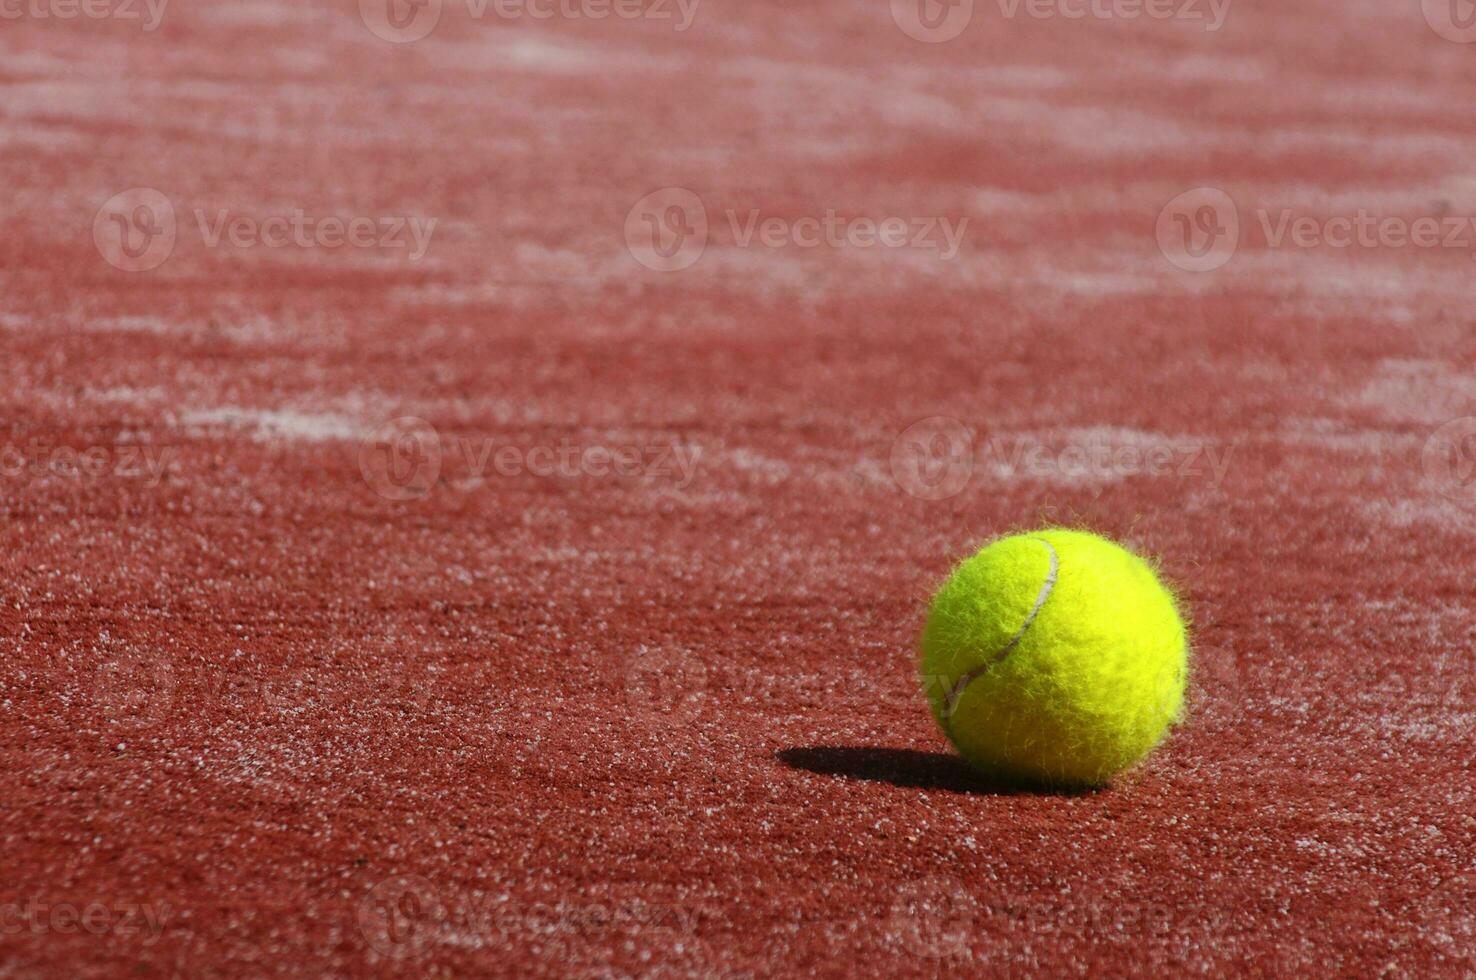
x=1055 y=657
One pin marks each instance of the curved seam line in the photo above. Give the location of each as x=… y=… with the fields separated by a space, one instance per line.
x=950 y=703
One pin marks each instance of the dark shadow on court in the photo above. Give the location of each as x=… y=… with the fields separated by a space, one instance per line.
x=908 y=768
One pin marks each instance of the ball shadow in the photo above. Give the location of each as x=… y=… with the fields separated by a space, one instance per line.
x=911 y=769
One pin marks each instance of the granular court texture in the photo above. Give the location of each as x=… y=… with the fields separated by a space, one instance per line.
x=470 y=497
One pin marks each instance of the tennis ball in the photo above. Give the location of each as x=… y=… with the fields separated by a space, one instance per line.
x=1054 y=657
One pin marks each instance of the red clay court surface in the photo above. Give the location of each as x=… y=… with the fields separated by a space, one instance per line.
x=605 y=666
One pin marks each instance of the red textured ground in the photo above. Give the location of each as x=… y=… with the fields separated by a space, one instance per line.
x=282 y=695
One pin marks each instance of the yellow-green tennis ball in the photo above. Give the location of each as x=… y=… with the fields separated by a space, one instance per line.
x=1054 y=657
